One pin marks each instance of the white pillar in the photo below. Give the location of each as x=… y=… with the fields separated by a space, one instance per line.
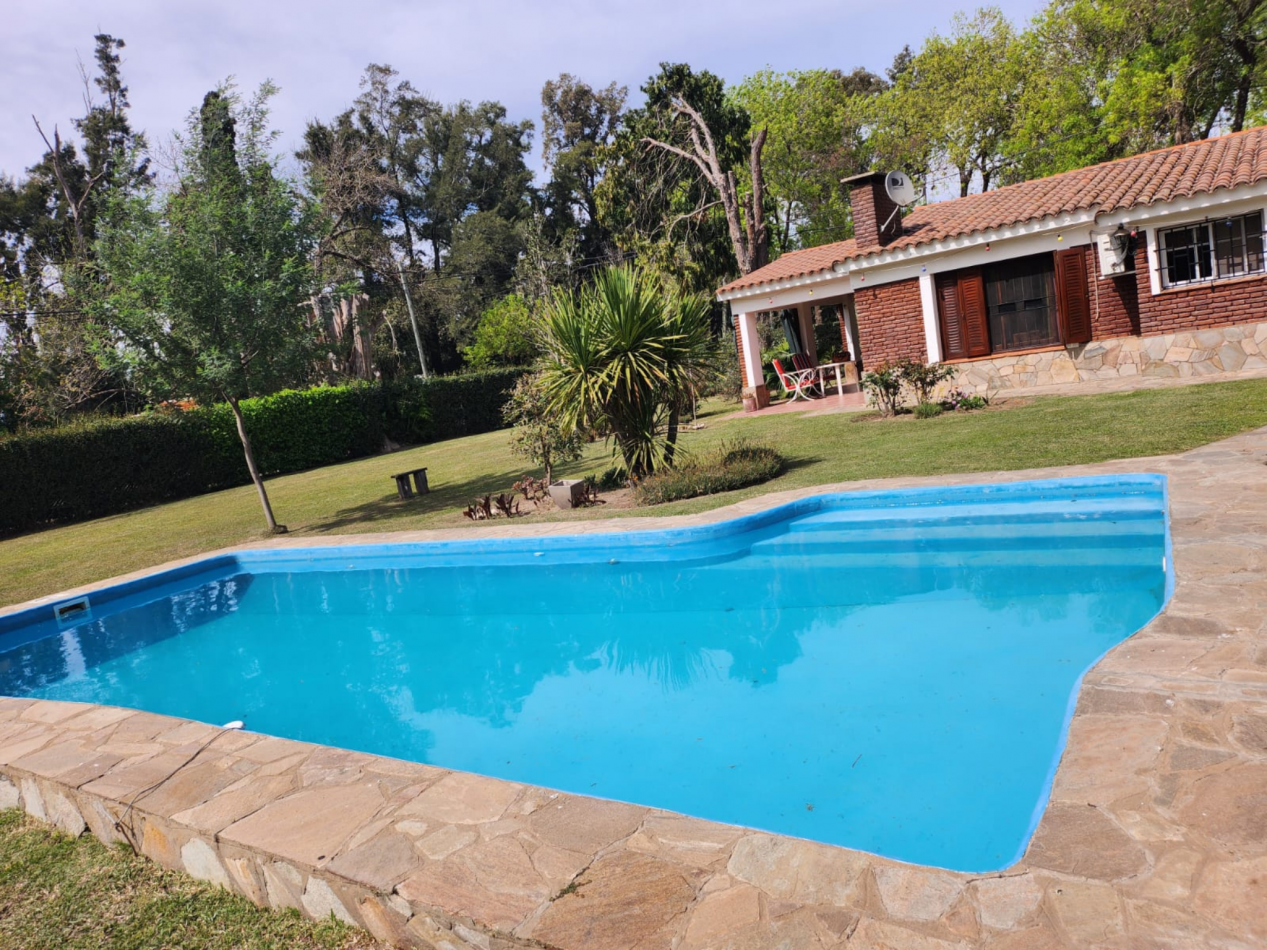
x=750 y=350
x=848 y=321
x=928 y=302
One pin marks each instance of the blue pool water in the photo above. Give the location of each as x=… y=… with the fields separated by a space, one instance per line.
x=884 y=671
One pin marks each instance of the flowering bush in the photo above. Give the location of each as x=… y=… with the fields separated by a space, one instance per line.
x=957 y=400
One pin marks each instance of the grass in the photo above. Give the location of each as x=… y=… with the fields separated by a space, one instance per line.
x=60 y=893
x=359 y=497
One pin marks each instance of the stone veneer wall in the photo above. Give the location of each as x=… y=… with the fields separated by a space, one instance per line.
x=1182 y=354
x=890 y=322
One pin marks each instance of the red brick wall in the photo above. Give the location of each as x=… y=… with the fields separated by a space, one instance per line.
x=890 y=322
x=871 y=207
x=1114 y=301
x=1215 y=304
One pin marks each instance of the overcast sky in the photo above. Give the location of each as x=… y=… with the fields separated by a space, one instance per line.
x=315 y=50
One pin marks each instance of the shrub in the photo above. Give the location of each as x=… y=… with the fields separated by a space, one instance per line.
x=927 y=410
x=884 y=385
x=923 y=377
x=731 y=466
x=959 y=400
x=612 y=479
x=538 y=435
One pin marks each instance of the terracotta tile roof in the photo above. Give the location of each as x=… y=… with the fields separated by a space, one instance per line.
x=1180 y=171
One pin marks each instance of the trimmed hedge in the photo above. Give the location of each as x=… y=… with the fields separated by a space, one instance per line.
x=447 y=407
x=731 y=466
x=104 y=467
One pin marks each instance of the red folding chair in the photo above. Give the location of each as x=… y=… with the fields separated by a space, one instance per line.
x=799 y=383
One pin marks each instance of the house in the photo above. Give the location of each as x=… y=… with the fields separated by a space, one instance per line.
x=1146 y=266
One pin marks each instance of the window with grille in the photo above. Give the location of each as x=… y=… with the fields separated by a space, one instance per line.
x=1212 y=250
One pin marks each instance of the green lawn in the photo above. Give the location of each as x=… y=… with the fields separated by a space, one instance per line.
x=59 y=893
x=359 y=497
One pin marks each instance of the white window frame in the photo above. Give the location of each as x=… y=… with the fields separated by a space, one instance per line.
x=1209 y=224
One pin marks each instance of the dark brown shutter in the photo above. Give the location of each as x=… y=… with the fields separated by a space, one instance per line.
x=976 y=326
x=953 y=344
x=1071 y=295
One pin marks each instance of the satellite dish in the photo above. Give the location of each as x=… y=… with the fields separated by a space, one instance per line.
x=899 y=188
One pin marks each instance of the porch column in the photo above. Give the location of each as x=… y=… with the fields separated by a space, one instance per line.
x=805 y=312
x=848 y=334
x=750 y=358
x=928 y=303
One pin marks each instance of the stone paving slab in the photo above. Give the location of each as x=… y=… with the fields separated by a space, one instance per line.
x=1155 y=835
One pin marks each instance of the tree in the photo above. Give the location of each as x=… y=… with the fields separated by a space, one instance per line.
x=622 y=354
x=108 y=139
x=959 y=94
x=1169 y=71
x=47 y=223
x=203 y=285
x=658 y=207
x=702 y=133
x=1107 y=78
x=538 y=435
x=444 y=190
x=577 y=122
x=814 y=121
x=506 y=335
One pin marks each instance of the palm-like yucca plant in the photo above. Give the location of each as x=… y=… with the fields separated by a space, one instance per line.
x=621 y=353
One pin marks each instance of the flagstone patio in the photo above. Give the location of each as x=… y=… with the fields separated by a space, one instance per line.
x=1155 y=836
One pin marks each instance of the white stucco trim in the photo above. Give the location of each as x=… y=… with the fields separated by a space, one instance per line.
x=928 y=303
x=750 y=348
x=779 y=294
x=1149 y=236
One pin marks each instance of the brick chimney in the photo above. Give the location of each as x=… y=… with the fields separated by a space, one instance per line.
x=871 y=208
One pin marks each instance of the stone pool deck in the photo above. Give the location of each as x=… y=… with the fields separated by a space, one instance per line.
x=1155 y=836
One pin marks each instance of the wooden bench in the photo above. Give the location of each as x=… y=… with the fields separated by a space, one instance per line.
x=403 y=488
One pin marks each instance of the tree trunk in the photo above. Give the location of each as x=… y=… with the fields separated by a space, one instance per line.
x=273 y=526
x=670 y=437
x=1244 y=82
x=750 y=239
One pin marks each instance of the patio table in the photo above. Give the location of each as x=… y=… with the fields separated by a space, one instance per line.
x=832 y=366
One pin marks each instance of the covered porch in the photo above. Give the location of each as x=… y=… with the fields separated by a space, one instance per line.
x=814 y=376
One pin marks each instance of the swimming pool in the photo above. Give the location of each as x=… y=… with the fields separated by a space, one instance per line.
x=888 y=671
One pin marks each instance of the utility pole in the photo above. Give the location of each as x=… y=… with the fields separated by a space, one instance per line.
x=422 y=360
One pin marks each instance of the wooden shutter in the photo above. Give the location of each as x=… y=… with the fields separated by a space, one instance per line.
x=953 y=344
x=976 y=324
x=1071 y=296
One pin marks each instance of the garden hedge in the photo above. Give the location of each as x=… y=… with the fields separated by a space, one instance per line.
x=93 y=469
